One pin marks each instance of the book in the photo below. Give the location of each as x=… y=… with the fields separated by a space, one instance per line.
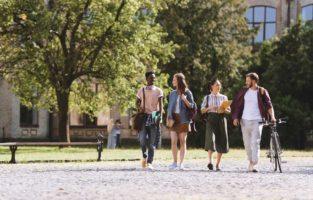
x=225 y=104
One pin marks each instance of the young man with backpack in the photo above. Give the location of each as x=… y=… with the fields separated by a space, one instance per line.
x=251 y=107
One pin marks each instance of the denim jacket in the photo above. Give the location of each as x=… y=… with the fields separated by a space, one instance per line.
x=184 y=110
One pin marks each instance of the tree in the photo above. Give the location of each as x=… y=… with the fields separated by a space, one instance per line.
x=52 y=51
x=213 y=41
x=286 y=66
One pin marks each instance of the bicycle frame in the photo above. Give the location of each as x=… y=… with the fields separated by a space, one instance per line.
x=274 y=152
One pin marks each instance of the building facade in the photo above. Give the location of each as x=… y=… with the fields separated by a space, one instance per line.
x=274 y=16
x=20 y=123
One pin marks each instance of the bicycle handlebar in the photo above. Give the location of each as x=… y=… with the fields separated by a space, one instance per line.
x=279 y=121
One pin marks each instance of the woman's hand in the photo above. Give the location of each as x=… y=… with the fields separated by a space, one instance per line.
x=228 y=110
x=183 y=97
x=221 y=109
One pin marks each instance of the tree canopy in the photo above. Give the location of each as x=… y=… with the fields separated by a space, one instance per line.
x=213 y=41
x=286 y=67
x=53 y=51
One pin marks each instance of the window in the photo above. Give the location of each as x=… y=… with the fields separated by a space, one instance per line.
x=85 y=121
x=90 y=121
x=263 y=17
x=307 y=13
x=28 y=117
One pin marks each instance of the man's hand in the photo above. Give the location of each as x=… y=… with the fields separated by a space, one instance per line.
x=236 y=122
x=273 y=119
x=272 y=114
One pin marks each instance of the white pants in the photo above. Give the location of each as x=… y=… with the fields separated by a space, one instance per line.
x=251 y=134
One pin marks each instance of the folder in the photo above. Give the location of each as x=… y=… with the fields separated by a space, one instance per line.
x=224 y=106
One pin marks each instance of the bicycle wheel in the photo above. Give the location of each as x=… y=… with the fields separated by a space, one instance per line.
x=272 y=154
x=277 y=153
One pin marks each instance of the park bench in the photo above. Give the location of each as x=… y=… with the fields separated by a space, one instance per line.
x=13 y=146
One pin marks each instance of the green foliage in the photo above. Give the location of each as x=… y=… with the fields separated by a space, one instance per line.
x=286 y=64
x=213 y=43
x=212 y=37
x=65 y=47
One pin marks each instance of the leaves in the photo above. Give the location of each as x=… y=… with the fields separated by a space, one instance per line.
x=286 y=65
x=211 y=35
x=70 y=44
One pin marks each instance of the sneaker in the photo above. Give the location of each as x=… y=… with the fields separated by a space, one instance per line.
x=144 y=163
x=253 y=168
x=210 y=166
x=255 y=171
x=150 y=167
x=173 y=166
x=181 y=167
x=218 y=169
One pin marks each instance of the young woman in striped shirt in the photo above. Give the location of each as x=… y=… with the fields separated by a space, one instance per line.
x=216 y=137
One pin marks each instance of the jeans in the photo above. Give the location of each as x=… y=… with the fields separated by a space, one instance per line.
x=148 y=136
x=118 y=140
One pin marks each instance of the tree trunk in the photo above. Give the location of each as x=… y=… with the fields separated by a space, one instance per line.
x=63 y=103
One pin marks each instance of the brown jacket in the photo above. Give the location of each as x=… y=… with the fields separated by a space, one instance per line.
x=264 y=102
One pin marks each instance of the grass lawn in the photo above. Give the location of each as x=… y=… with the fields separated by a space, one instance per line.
x=80 y=154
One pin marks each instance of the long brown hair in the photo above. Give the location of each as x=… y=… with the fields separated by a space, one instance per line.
x=181 y=83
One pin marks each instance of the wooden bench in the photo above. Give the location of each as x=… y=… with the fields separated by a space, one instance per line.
x=13 y=146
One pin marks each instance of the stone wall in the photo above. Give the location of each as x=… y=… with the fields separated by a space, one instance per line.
x=5 y=109
x=10 y=118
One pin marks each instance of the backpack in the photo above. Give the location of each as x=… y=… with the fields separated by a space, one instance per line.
x=193 y=112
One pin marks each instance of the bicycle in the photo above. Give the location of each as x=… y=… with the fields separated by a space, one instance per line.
x=275 y=151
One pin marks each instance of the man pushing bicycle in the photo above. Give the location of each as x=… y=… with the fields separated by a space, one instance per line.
x=252 y=105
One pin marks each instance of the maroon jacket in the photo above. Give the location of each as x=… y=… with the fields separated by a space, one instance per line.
x=264 y=101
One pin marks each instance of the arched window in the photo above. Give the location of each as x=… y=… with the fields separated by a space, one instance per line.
x=263 y=17
x=307 y=13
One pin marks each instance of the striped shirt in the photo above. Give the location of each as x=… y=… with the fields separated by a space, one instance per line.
x=214 y=100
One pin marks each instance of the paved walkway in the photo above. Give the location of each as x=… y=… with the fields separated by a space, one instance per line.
x=125 y=180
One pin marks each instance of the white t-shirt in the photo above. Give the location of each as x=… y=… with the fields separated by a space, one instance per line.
x=251 y=109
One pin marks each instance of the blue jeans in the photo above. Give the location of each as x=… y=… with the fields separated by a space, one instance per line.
x=147 y=138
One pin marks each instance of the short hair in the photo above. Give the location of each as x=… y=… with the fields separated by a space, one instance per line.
x=253 y=76
x=148 y=74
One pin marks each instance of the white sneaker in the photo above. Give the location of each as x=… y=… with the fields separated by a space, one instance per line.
x=181 y=167
x=173 y=166
x=253 y=167
x=150 y=167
